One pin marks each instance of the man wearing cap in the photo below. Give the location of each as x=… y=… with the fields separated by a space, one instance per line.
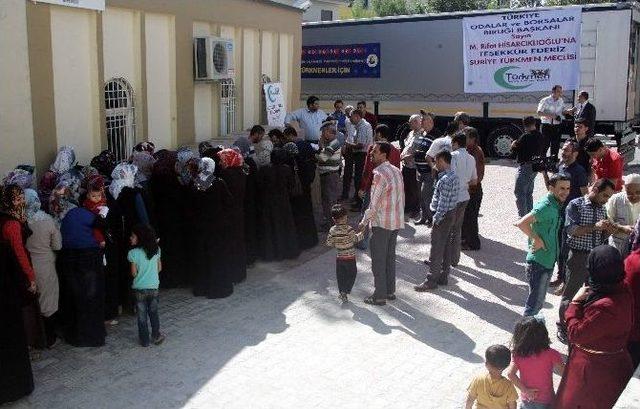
x=329 y=161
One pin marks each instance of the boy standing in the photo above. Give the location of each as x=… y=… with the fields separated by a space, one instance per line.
x=492 y=390
x=344 y=238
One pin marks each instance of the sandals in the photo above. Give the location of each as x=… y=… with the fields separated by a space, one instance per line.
x=371 y=300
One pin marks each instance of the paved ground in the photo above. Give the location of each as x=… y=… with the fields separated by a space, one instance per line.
x=283 y=341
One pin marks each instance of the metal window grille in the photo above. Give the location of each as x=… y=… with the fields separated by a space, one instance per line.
x=120 y=121
x=227 y=107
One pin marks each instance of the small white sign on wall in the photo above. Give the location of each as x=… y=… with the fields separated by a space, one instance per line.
x=81 y=4
x=274 y=97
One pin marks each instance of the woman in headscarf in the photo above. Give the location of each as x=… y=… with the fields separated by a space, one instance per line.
x=42 y=245
x=16 y=379
x=20 y=177
x=632 y=281
x=277 y=234
x=599 y=321
x=105 y=162
x=146 y=147
x=60 y=202
x=211 y=197
x=144 y=162
x=126 y=202
x=231 y=171
x=82 y=285
x=65 y=160
x=302 y=162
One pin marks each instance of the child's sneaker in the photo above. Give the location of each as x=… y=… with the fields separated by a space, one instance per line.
x=343 y=297
x=159 y=340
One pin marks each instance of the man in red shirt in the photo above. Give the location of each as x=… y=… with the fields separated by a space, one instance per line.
x=368 y=116
x=606 y=163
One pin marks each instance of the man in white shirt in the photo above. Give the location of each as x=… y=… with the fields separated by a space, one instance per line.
x=309 y=119
x=408 y=165
x=464 y=166
x=358 y=147
x=550 y=111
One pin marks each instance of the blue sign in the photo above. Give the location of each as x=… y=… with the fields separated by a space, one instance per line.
x=341 y=61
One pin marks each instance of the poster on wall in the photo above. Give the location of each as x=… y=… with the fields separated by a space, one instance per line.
x=522 y=52
x=82 y=4
x=341 y=61
x=274 y=98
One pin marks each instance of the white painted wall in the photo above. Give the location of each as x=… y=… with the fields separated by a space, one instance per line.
x=250 y=78
x=122 y=54
x=16 y=125
x=313 y=13
x=286 y=70
x=161 y=79
x=75 y=80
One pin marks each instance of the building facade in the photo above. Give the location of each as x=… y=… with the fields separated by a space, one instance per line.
x=107 y=79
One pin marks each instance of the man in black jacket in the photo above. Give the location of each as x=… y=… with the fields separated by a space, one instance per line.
x=586 y=111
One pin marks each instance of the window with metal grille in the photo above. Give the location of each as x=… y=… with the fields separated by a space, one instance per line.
x=120 y=117
x=227 y=107
x=326 y=15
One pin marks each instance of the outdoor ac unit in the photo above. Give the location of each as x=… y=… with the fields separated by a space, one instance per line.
x=213 y=58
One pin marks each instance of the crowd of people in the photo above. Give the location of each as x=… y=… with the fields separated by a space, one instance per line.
x=88 y=243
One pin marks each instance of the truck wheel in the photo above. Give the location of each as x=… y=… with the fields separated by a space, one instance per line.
x=499 y=141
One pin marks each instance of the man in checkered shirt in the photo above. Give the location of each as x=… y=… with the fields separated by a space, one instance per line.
x=587 y=227
x=443 y=206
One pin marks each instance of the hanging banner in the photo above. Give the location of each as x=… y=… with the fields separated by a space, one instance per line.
x=341 y=61
x=522 y=52
x=82 y=4
x=274 y=98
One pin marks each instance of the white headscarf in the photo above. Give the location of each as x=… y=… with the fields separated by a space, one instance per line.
x=144 y=161
x=124 y=175
x=205 y=178
x=34 y=213
x=64 y=160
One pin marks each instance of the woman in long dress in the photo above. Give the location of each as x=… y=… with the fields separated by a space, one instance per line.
x=599 y=322
x=16 y=379
x=233 y=174
x=210 y=199
x=42 y=245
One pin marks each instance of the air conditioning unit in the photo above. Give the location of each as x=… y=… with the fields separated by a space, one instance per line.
x=212 y=58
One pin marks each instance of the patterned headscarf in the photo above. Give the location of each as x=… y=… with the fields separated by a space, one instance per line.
x=65 y=159
x=206 y=174
x=144 y=162
x=291 y=148
x=19 y=177
x=148 y=147
x=263 y=152
x=33 y=206
x=203 y=146
x=72 y=179
x=48 y=182
x=124 y=175
x=230 y=158
x=94 y=183
x=9 y=194
x=61 y=201
x=105 y=162
x=182 y=159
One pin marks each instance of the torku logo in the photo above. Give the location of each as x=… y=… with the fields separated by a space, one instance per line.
x=505 y=79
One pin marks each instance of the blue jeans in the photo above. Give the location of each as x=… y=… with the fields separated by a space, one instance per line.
x=538 y=278
x=534 y=405
x=524 y=188
x=147 y=305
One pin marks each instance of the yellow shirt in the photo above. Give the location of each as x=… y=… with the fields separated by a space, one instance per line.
x=492 y=394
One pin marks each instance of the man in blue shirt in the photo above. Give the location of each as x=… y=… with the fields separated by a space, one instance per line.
x=339 y=115
x=309 y=119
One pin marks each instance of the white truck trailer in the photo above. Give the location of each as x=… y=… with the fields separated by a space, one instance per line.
x=421 y=66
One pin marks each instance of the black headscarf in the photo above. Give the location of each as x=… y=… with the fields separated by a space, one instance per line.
x=606 y=272
x=105 y=162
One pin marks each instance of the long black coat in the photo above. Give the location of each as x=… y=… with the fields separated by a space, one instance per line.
x=236 y=254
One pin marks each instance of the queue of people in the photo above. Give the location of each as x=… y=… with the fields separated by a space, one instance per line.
x=96 y=241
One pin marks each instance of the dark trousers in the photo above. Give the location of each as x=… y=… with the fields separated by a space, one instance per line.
x=346 y=271
x=576 y=274
x=353 y=168
x=147 y=305
x=425 y=184
x=411 y=190
x=383 y=261
x=441 y=249
x=551 y=135
x=470 y=231
x=564 y=249
x=83 y=276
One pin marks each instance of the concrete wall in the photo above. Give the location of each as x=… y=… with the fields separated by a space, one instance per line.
x=16 y=126
x=76 y=85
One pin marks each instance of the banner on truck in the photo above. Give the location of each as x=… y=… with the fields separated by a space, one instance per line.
x=522 y=52
x=274 y=98
x=341 y=61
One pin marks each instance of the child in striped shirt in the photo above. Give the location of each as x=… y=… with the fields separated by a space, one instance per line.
x=344 y=238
